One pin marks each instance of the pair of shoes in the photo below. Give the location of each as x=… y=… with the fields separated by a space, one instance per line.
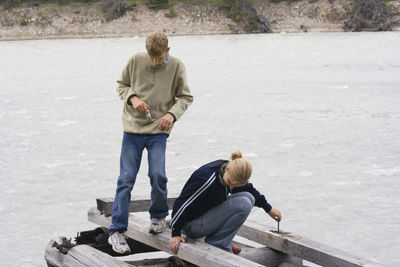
x=157 y=226
x=118 y=242
x=235 y=249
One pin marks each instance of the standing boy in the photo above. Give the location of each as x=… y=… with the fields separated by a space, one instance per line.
x=155 y=93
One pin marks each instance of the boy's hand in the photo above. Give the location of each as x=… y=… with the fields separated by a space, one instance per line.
x=138 y=104
x=166 y=122
x=275 y=214
x=174 y=243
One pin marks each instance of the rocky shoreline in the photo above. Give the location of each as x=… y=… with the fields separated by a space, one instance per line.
x=89 y=22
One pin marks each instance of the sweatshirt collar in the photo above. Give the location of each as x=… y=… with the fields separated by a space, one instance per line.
x=166 y=58
x=160 y=65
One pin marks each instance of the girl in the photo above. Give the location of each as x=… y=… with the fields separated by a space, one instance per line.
x=215 y=202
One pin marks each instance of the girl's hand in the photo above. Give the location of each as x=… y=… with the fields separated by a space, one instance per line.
x=275 y=214
x=174 y=243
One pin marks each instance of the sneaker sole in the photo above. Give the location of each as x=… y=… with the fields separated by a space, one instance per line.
x=119 y=251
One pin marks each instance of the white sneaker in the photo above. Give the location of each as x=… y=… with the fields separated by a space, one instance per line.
x=157 y=226
x=118 y=242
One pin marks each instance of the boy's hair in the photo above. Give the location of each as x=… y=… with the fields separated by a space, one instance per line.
x=156 y=44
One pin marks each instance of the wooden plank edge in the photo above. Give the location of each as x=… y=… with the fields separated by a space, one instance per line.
x=301 y=247
x=137 y=204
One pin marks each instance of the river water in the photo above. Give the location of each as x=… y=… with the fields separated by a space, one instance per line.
x=317 y=114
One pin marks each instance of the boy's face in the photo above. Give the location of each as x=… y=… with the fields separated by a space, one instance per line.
x=159 y=60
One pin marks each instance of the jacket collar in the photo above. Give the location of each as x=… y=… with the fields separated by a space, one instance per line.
x=159 y=66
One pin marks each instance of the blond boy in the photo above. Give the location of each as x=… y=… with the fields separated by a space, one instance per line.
x=155 y=94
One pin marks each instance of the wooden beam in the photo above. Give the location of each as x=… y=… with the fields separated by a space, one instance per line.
x=301 y=247
x=137 y=204
x=80 y=256
x=194 y=251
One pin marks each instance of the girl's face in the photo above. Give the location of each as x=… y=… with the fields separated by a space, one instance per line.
x=228 y=180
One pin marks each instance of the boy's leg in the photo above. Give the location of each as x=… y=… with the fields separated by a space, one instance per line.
x=221 y=223
x=156 y=146
x=131 y=155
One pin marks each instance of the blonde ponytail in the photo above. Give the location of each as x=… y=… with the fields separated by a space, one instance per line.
x=239 y=168
x=236 y=155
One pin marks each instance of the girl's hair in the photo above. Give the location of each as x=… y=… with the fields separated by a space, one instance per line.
x=239 y=168
x=156 y=44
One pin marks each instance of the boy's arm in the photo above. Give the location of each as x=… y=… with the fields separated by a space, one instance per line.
x=183 y=97
x=124 y=89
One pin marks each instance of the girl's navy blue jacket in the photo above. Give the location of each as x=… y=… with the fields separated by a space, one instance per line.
x=204 y=191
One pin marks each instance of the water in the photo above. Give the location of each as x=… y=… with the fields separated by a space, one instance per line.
x=317 y=114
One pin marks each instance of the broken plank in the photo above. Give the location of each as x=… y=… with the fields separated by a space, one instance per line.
x=80 y=256
x=195 y=251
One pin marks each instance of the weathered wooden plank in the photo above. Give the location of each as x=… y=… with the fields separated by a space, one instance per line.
x=270 y=257
x=80 y=256
x=52 y=255
x=137 y=204
x=301 y=247
x=194 y=251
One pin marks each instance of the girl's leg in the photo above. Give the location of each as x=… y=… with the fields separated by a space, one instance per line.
x=220 y=224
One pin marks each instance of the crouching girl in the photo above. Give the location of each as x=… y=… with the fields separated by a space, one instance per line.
x=215 y=202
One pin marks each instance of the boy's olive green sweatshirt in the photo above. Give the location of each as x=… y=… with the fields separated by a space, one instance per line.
x=163 y=87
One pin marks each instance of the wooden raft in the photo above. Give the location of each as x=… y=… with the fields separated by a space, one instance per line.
x=281 y=249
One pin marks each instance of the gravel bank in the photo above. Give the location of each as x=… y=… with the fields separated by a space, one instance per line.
x=85 y=22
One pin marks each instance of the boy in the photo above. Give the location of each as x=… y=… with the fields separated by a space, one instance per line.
x=155 y=92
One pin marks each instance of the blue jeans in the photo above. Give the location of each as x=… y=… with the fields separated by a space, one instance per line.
x=220 y=224
x=131 y=157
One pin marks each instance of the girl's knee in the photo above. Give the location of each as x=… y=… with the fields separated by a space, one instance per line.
x=251 y=198
x=248 y=204
x=243 y=204
x=246 y=195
